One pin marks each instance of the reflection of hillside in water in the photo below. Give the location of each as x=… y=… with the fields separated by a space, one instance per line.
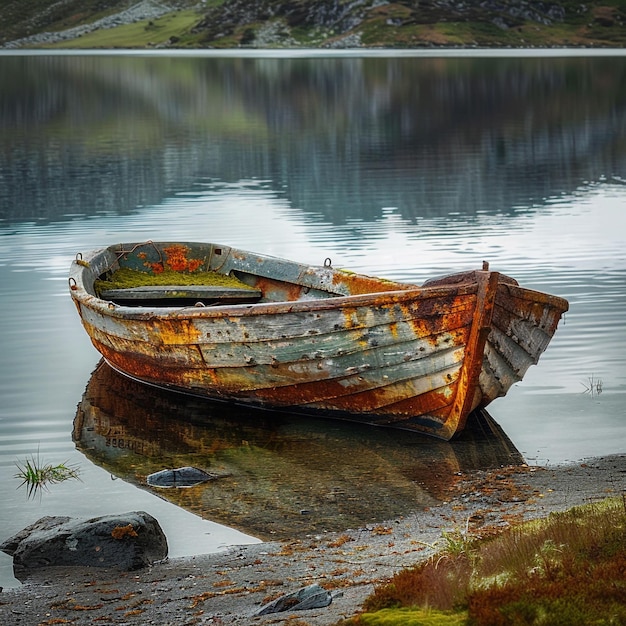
x=282 y=474
x=81 y=135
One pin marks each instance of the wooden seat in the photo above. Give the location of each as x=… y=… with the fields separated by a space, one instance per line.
x=177 y=295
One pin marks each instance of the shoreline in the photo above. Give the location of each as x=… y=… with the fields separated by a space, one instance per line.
x=229 y=587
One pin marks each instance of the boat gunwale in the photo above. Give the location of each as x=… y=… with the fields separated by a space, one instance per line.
x=112 y=309
x=533 y=295
x=81 y=294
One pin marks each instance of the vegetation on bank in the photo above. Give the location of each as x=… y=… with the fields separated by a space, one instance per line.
x=326 y=23
x=568 y=569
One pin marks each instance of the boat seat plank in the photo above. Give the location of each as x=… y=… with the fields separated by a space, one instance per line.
x=181 y=292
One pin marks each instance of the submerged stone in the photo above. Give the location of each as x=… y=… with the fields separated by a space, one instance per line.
x=180 y=477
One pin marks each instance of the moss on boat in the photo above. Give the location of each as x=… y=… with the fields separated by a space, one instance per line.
x=126 y=278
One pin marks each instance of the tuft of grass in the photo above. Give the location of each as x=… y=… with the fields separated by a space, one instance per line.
x=594 y=386
x=37 y=476
x=565 y=569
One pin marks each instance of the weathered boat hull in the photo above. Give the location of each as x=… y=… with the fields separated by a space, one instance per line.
x=320 y=339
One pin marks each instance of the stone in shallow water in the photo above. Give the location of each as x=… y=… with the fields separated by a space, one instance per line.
x=180 y=477
x=127 y=541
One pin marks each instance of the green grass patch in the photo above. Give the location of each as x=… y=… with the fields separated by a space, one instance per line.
x=141 y=34
x=378 y=32
x=413 y=617
x=564 y=570
x=311 y=37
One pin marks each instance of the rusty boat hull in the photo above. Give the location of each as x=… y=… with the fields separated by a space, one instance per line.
x=316 y=339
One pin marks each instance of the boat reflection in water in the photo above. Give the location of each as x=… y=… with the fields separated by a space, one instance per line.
x=280 y=475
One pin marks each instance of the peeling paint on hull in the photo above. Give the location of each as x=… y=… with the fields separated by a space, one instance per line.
x=319 y=339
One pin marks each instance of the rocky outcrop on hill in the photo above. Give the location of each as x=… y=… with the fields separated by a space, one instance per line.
x=343 y=17
x=146 y=9
x=409 y=23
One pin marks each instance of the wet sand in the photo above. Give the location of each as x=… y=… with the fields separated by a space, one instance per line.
x=230 y=587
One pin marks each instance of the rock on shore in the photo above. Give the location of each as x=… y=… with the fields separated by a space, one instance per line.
x=128 y=542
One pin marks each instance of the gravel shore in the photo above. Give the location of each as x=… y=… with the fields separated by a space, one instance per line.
x=230 y=587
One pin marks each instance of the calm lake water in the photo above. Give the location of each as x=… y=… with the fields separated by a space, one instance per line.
x=400 y=165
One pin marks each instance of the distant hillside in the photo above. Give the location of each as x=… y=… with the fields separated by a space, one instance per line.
x=311 y=23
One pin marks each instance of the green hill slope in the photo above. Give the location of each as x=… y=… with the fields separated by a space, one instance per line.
x=311 y=23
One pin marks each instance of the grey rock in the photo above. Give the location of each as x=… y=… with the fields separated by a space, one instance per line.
x=180 y=477
x=309 y=597
x=128 y=541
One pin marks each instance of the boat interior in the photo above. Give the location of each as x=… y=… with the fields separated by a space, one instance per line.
x=194 y=274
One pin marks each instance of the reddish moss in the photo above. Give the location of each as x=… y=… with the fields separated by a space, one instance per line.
x=177 y=259
x=120 y=532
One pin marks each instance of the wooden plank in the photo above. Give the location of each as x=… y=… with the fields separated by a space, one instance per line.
x=183 y=292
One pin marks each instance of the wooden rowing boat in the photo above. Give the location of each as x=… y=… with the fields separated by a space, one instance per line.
x=286 y=335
